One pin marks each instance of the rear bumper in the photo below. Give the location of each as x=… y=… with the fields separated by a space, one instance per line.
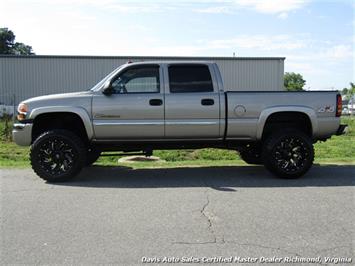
x=341 y=130
x=22 y=134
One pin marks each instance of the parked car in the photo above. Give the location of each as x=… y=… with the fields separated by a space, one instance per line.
x=349 y=107
x=174 y=105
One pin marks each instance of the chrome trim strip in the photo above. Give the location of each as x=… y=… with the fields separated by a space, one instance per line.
x=106 y=116
x=19 y=126
x=128 y=123
x=152 y=123
x=191 y=123
x=154 y=140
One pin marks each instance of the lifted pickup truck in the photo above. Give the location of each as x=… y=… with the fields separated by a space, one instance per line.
x=174 y=105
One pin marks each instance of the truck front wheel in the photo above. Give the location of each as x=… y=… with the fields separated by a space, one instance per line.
x=288 y=154
x=57 y=155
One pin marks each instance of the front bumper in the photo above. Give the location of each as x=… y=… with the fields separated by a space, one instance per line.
x=341 y=130
x=22 y=134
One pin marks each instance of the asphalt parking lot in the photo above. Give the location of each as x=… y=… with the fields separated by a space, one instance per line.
x=116 y=215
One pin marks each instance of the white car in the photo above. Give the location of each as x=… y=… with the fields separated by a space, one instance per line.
x=349 y=107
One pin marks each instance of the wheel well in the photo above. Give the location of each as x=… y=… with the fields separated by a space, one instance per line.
x=283 y=120
x=60 y=120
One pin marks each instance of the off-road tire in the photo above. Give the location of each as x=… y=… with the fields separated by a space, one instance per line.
x=54 y=148
x=288 y=154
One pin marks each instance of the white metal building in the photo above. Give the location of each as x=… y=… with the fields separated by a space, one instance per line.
x=29 y=76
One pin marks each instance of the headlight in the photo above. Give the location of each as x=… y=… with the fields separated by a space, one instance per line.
x=22 y=108
x=22 y=111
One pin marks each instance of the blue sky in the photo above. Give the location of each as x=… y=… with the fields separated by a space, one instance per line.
x=316 y=37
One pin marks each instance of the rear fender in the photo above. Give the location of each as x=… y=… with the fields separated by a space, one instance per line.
x=265 y=114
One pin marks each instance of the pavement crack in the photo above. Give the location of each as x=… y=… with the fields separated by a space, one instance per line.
x=210 y=226
x=207 y=216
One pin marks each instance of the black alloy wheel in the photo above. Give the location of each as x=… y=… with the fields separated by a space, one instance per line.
x=57 y=155
x=288 y=154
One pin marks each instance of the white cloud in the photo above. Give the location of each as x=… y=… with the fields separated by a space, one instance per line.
x=261 y=42
x=119 y=6
x=266 y=45
x=283 y=15
x=136 y=7
x=272 y=6
x=278 y=7
x=338 y=52
x=216 y=10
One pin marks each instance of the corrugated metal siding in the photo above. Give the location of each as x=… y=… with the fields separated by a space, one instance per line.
x=39 y=75
x=252 y=75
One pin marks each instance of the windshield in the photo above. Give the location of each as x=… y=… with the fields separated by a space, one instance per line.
x=102 y=82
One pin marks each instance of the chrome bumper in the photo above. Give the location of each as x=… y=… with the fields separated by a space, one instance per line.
x=22 y=134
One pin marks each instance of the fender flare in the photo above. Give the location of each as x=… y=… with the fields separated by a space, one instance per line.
x=265 y=114
x=81 y=112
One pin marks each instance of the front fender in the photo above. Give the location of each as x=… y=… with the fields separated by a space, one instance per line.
x=278 y=109
x=81 y=112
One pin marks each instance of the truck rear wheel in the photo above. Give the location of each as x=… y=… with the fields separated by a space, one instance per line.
x=57 y=155
x=288 y=154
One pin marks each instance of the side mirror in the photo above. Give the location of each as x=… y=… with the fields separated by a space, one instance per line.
x=107 y=90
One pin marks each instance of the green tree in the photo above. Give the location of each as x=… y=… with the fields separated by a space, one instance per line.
x=7 y=39
x=9 y=46
x=349 y=92
x=293 y=81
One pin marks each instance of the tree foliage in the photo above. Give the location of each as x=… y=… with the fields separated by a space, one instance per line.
x=349 y=93
x=9 y=46
x=293 y=81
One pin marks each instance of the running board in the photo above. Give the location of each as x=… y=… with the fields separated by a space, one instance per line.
x=146 y=154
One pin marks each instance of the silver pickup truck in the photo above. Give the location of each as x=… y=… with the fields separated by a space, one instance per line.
x=140 y=107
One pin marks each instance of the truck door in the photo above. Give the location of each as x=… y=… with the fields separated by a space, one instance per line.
x=135 y=109
x=191 y=102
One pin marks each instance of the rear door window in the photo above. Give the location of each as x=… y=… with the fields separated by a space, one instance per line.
x=190 y=78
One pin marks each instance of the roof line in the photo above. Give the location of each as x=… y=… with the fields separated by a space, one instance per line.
x=141 y=57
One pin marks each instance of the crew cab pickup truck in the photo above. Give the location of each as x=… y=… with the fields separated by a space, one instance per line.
x=144 y=106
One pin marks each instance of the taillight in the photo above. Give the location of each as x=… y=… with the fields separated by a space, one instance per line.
x=339 y=105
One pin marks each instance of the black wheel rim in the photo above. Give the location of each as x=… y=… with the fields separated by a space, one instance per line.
x=56 y=156
x=291 y=154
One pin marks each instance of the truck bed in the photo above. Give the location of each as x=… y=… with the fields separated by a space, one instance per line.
x=247 y=111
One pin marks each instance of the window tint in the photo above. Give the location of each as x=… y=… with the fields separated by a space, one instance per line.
x=190 y=78
x=137 y=80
